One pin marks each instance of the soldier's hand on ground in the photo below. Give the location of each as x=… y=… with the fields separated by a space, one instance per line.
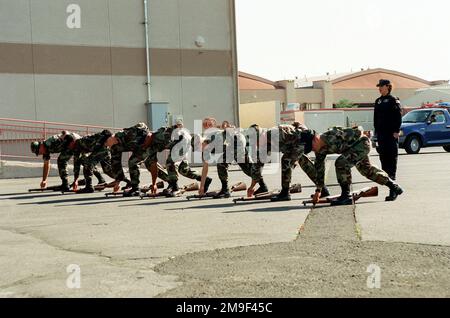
x=250 y=193
x=316 y=197
x=153 y=189
x=201 y=191
x=75 y=186
x=116 y=186
x=43 y=184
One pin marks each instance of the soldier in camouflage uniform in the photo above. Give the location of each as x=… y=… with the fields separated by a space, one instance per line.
x=353 y=147
x=89 y=151
x=177 y=141
x=256 y=162
x=231 y=146
x=64 y=144
x=137 y=140
x=292 y=140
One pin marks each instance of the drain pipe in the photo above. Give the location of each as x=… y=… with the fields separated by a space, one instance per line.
x=147 y=52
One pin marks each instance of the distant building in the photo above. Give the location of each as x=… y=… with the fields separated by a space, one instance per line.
x=430 y=95
x=85 y=61
x=325 y=92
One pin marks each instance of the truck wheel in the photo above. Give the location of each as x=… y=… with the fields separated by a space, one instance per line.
x=413 y=145
x=447 y=148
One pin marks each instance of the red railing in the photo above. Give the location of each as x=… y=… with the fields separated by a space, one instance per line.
x=16 y=135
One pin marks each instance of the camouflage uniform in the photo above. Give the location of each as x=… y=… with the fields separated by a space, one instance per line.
x=64 y=145
x=354 y=149
x=255 y=163
x=131 y=140
x=291 y=146
x=231 y=145
x=98 y=153
x=167 y=138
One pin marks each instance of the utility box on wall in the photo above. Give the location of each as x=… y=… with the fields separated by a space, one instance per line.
x=157 y=114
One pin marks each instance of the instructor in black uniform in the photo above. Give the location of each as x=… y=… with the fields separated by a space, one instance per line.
x=387 y=121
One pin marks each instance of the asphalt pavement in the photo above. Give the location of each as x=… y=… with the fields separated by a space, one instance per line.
x=127 y=247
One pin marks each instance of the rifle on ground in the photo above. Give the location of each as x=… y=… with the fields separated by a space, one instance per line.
x=58 y=188
x=187 y=188
x=207 y=195
x=295 y=188
x=363 y=193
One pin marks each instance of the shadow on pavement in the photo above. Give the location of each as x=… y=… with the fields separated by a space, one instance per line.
x=277 y=209
x=77 y=199
x=102 y=201
x=16 y=194
x=152 y=202
x=29 y=196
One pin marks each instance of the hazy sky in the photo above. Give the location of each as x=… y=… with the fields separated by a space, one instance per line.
x=281 y=39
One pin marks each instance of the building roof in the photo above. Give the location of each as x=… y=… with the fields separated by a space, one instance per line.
x=365 y=79
x=383 y=72
x=309 y=81
x=426 y=96
x=249 y=81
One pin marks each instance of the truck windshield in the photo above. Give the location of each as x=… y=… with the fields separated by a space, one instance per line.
x=416 y=117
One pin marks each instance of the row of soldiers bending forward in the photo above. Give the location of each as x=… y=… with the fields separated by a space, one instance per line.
x=221 y=146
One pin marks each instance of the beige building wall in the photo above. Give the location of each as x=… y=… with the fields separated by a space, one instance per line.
x=266 y=114
x=96 y=74
x=262 y=95
x=368 y=95
x=309 y=95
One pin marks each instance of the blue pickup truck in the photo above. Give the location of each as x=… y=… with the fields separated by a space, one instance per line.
x=428 y=127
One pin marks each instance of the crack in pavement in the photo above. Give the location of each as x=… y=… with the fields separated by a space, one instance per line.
x=30 y=234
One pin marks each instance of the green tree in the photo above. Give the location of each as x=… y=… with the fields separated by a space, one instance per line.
x=345 y=103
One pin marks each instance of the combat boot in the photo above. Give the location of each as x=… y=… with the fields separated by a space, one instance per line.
x=168 y=190
x=65 y=186
x=86 y=189
x=174 y=189
x=262 y=188
x=224 y=192
x=128 y=185
x=133 y=191
x=323 y=193
x=207 y=184
x=100 y=178
x=345 y=198
x=282 y=196
x=394 y=191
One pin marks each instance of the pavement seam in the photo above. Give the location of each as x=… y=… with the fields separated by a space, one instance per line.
x=25 y=281
x=59 y=248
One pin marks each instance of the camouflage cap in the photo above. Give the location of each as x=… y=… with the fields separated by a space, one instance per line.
x=35 y=145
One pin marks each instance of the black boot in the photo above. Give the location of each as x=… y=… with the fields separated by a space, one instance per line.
x=100 y=178
x=323 y=193
x=128 y=184
x=133 y=191
x=394 y=190
x=86 y=189
x=262 y=188
x=65 y=186
x=224 y=192
x=345 y=198
x=168 y=190
x=282 y=196
x=207 y=184
x=174 y=189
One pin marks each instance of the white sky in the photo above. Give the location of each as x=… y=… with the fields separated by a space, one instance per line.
x=281 y=39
